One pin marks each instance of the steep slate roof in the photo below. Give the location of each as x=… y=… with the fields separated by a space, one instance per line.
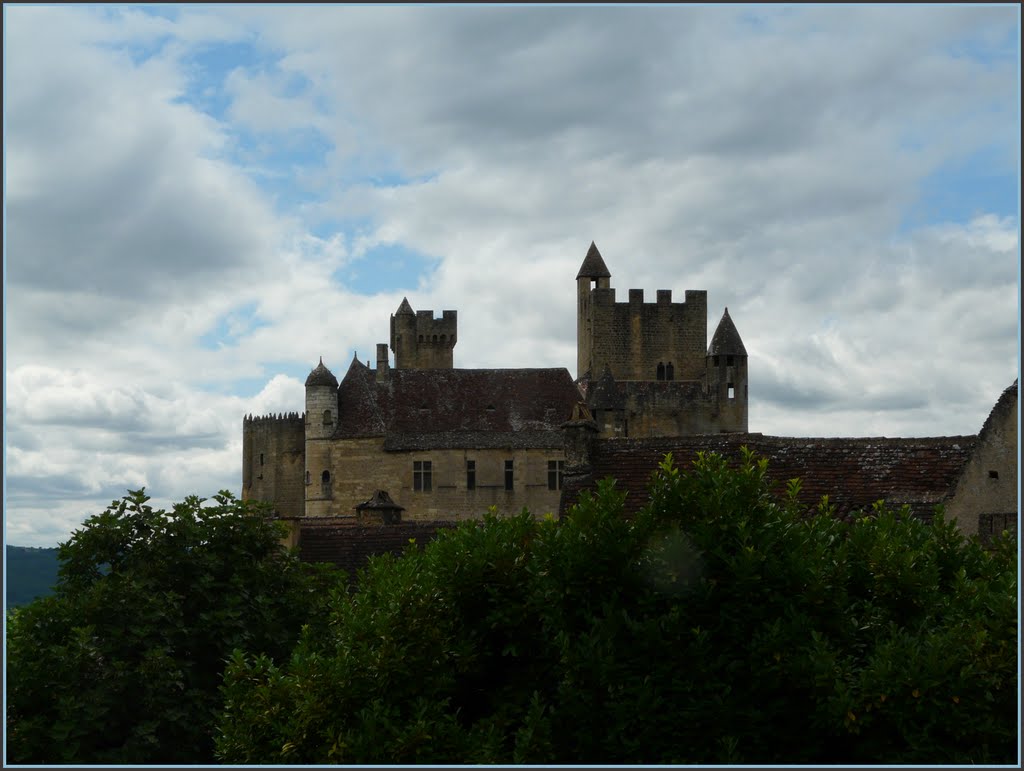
x=854 y=473
x=456 y=408
x=321 y=376
x=606 y=394
x=405 y=308
x=593 y=265
x=726 y=340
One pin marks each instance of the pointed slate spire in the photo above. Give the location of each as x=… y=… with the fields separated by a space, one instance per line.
x=405 y=308
x=605 y=394
x=726 y=340
x=321 y=376
x=593 y=265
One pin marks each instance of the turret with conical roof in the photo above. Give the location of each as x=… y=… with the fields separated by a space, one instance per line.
x=727 y=373
x=419 y=341
x=593 y=274
x=321 y=402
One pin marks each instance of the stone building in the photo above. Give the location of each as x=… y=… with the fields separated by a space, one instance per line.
x=451 y=443
x=448 y=444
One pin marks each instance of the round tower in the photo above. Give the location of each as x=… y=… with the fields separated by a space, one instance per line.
x=321 y=402
x=592 y=273
x=726 y=367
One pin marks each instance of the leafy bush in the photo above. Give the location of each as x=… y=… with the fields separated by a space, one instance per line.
x=718 y=626
x=124 y=662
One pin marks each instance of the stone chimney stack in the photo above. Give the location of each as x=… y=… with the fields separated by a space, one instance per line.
x=382 y=362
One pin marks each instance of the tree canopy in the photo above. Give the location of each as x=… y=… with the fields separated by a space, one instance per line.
x=123 y=663
x=719 y=625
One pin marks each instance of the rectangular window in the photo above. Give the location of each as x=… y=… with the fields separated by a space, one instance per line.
x=421 y=476
x=470 y=474
x=555 y=469
x=728 y=361
x=732 y=391
x=509 y=474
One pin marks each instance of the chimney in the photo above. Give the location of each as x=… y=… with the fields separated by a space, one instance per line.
x=382 y=363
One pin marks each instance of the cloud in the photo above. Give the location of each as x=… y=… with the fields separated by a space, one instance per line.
x=198 y=198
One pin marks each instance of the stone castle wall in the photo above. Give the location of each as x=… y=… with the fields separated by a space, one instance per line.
x=634 y=337
x=273 y=450
x=358 y=467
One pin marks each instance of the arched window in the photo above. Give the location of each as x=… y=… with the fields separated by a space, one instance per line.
x=325 y=484
x=670 y=372
x=434 y=339
x=661 y=371
x=328 y=419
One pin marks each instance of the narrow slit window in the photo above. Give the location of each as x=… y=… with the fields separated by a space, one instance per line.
x=261 y=458
x=509 y=474
x=670 y=372
x=422 y=476
x=325 y=484
x=470 y=474
x=555 y=470
x=661 y=371
x=309 y=478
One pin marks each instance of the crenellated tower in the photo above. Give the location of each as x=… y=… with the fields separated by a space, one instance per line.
x=420 y=341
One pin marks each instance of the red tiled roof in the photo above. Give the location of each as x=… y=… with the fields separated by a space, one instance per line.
x=854 y=473
x=436 y=408
x=349 y=543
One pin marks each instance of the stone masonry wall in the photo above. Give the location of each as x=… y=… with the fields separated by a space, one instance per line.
x=273 y=451
x=987 y=490
x=632 y=338
x=358 y=467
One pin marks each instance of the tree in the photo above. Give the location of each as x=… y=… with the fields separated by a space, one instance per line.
x=123 y=664
x=717 y=626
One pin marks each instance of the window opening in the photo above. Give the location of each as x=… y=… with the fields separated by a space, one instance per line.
x=732 y=391
x=328 y=420
x=670 y=372
x=555 y=470
x=993 y=475
x=661 y=371
x=325 y=484
x=470 y=474
x=509 y=474
x=422 y=476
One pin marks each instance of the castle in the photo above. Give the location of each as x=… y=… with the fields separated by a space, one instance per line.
x=448 y=444
x=451 y=443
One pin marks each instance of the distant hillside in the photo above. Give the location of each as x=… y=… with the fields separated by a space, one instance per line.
x=31 y=573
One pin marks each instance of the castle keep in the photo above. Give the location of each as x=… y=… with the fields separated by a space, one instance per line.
x=447 y=444
x=450 y=443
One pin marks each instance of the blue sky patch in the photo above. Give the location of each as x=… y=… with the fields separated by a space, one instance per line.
x=386 y=268
x=965 y=189
x=231 y=326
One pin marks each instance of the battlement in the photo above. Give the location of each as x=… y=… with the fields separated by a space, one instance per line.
x=421 y=341
x=280 y=417
x=693 y=298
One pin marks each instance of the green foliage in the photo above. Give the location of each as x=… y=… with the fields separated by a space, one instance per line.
x=717 y=626
x=124 y=662
x=30 y=573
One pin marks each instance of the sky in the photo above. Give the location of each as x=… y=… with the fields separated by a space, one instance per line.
x=201 y=201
